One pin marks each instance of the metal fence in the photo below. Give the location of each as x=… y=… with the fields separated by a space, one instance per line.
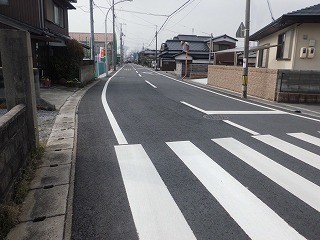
x=299 y=81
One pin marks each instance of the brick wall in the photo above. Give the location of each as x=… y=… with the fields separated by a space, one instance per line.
x=14 y=147
x=262 y=82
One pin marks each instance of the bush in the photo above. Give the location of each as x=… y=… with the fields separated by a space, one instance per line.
x=66 y=61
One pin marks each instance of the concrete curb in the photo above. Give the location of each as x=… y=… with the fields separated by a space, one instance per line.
x=47 y=210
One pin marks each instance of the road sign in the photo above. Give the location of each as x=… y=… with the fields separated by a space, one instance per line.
x=240 y=31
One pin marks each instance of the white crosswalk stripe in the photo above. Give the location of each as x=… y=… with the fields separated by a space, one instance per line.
x=292 y=182
x=155 y=213
x=252 y=215
x=307 y=138
x=157 y=216
x=297 y=152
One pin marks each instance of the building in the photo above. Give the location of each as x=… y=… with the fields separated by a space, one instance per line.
x=291 y=42
x=173 y=58
x=99 y=42
x=47 y=23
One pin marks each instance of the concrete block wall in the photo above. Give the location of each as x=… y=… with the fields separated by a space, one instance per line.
x=14 y=148
x=262 y=82
x=86 y=73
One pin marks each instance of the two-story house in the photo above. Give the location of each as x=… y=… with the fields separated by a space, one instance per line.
x=47 y=22
x=172 y=56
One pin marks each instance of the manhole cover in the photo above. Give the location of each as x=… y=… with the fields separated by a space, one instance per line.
x=215 y=117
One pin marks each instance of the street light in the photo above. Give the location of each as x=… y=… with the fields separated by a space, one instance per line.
x=106 y=41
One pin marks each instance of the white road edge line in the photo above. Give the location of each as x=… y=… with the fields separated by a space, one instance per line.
x=156 y=215
x=113 y=122
x=241 y=127
x=150 y=84
x=236 y=99
x=139 y=75
x=256 y=219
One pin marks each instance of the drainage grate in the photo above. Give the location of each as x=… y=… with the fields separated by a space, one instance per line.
x=215 y=117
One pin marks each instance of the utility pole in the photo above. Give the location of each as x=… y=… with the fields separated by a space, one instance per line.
x=92 y=30
x=156 y=47
x=246 y=51
x=121 y=44
x=210 y=48
x=114 y=48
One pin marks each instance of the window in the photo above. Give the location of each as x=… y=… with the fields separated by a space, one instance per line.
x=58 y=15
x=284 y=45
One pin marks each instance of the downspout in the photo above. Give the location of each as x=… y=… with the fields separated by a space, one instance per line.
x=41 y=15
x=294 y=47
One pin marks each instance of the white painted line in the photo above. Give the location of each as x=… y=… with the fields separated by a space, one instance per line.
x=219 y=94
x=306 y=137
x=137 y=71
x=233 y=98
x=241 y=127
x=246 y=112
x=139 y=75
x=114 y=124
x=300 y=187
x=194 y=107
x=252 y=215
x=150 y=84
x=155 y=213
x=234 y=112
x=297 y=152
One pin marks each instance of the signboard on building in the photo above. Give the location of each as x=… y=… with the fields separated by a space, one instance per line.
x=4 y=2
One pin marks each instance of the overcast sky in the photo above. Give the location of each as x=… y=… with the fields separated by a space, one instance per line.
x=200 y=17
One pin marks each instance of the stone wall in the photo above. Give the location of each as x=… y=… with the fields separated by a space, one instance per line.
x=15 y=148
x=262 y=82
x=86 y=71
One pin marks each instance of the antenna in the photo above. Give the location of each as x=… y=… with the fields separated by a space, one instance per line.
x=270 y=10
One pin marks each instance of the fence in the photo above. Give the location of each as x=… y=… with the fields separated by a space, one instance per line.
x=299 y=82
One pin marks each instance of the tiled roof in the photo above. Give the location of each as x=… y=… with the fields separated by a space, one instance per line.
x=309 y=11
x=175 y=45
x=85 y=37
x=305 y=15
x=191 y=38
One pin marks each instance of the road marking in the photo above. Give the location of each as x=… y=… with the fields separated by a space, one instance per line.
x=241 y=127
x=155 y=213
x=245 y=112
x=139 y=75
x=150 y=84
x=289 y=180
x=233 y=98
x=297 y=152
x=234 y=112
x=251 y=214
x=194 y=107
x=113 y=122
x=306 y=137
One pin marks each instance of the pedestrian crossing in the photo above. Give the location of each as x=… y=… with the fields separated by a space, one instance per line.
x=157 y=215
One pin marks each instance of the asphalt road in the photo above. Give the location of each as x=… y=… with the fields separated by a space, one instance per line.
x=158 y=158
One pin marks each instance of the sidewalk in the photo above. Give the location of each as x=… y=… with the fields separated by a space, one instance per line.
x=47 y=209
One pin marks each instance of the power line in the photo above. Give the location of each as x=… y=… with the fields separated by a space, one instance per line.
x=270 y=10
x=169 y=16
